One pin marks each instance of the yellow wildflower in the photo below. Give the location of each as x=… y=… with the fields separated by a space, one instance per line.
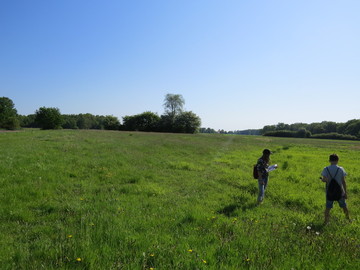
x=69 y=236
x=203 y=261
x=190 y=250
x=78 y=259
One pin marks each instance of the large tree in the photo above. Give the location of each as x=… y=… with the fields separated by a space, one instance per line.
x=173 y=105
x=146 y=121
x=111 y=122
x=48 y=118
x=8 y=114
x=187 y=122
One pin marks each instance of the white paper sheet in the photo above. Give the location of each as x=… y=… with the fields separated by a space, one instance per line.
x=272 y=167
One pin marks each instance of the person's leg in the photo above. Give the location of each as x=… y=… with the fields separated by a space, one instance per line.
x=329 y=205
x=261 y=191
x=327 y=215
x=342 y=204
x=266 y=179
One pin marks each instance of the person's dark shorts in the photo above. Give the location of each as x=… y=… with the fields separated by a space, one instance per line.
x=342 y=203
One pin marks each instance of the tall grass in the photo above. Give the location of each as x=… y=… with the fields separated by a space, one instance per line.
x=119 y=200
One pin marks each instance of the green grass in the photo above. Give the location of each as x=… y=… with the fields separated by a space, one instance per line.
x=120 y=200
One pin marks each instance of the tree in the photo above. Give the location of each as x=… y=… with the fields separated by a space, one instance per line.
x=69 y=121
x=48 y=118
x=173 y=104
x=86 y=121
x=166 y=123
x=207 y=130
x=28 y=121
x=8 y=114
x=303 y=133
x=353 y=128
x=111 y=122
x=187 y=122
x=146 y=121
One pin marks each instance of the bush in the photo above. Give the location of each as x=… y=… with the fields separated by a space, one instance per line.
x=28 y=121
x=335 y=136
x=281 y=133
x=303 y=133
x=147 y=121
x=111 y=123
x=11 y=123
x=8 y=114
x=69 y=122
x=187 y=122
x=49 y=118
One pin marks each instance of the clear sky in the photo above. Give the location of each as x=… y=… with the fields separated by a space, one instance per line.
x=238 y=64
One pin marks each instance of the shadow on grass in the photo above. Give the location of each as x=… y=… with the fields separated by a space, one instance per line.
x=230 y=209
x=319 y=227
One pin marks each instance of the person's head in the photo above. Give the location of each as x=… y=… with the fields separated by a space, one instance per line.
x=334 y=158
x=266 y=154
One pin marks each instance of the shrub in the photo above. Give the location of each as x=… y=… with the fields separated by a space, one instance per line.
x=8 y=114
x=48 y=118
x=335 y=136
x=281 y=133
x=147 y=121
x=11 y=123
x=111 y=123
x=187 y=122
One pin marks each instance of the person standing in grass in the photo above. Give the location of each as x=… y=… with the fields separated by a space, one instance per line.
x=262 y=168
x=338 y=173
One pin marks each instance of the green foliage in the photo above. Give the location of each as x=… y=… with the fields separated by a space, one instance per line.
x=87 y=121
x=207 y=130
x=301 y=130
x=111 y=122
x=335 y=136
x=301 y=133
x=281 y=133
x=70 y=121
x=184 y=122
x=147 y=121
x=173 y=104
x=28 y=121
x=187 y=122
x=8 y=114
x=48 y=118
x=75 y=199
x=11 y=123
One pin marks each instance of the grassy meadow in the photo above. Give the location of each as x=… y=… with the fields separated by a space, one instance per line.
x=121 y=200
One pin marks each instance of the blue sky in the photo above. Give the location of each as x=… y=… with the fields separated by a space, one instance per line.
x=238 y=64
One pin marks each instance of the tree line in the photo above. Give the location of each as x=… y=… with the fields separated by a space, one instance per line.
x=174 y=119
x=349 y=130
x=231 y=132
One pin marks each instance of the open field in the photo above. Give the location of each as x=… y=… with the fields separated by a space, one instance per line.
x=120 y=200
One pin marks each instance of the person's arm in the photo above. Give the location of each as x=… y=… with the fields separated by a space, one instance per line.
x=324 y=177
x=345 y=188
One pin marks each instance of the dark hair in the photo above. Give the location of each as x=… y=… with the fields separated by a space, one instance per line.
x=334 y=157
x=266 y=152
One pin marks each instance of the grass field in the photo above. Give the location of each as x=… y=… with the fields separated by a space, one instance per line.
x=118 y=200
